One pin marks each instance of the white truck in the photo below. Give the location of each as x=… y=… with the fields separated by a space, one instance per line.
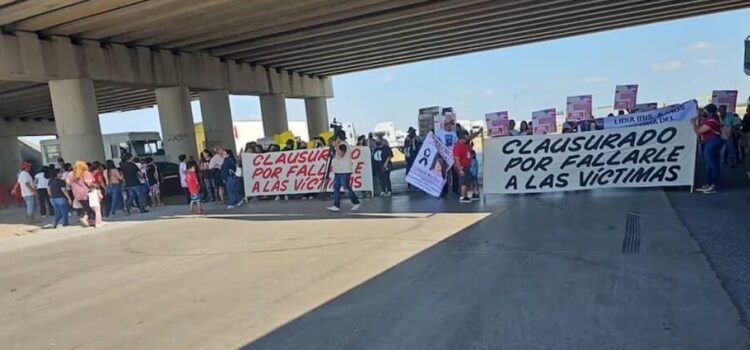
x=140 y=144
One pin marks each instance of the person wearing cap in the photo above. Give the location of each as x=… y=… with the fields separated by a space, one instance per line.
x=25 y=185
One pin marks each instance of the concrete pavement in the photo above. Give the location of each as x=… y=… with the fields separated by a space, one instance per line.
x=409 y=272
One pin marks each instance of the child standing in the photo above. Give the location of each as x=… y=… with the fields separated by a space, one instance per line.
x=95 y=199
x=191 y=180
x=474 y=169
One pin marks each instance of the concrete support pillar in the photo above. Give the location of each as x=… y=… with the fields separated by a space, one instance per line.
x=273 y=111
x=217 y=120
x=176 y=119
x=77 y=119
x=10 y=158
x=317 y=116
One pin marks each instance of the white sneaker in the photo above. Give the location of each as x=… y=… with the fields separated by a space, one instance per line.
x=277 y=198
x=388 y=194
x=382 y=194
x=230 y=207
x=334 y=208
x=465 y=200
x=710 y=190
x=704 y=188
x=355 y=207
x=241 y=203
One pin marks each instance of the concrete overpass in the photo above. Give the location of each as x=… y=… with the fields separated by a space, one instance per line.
x=63 y=62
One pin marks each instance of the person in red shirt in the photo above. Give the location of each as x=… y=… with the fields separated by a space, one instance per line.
x=191 y=179
x=707 y=125
x=462 y=163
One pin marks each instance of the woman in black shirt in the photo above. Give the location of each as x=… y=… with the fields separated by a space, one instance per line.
x=59 y=197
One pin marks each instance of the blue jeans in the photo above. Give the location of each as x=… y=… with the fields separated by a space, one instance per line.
x=231 y=185
x=61 y=210
x=135 y=193
x=114 y=192
x=711 y=155
x=30 y=205
x=342 y=180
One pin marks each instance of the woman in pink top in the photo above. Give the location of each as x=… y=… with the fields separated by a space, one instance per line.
x=79 y=182
x=709 y=129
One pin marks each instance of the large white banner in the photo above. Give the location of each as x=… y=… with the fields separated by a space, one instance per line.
x=645 y=156
x=429 y=169
x=673 y=113
x=301 y=171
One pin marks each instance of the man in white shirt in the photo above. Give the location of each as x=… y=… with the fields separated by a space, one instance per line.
x=41 y=181
x=343 y=168
x=447 y=134
x=25 y=184
x=183 y=172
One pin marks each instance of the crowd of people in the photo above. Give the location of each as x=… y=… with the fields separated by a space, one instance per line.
x=724 y=141
x=93 y=191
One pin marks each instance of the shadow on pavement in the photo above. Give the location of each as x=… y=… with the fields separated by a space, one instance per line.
x=720 y=223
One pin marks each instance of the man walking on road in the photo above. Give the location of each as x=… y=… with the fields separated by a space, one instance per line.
x=131 y=173
x=343 y=168
x=25 y=185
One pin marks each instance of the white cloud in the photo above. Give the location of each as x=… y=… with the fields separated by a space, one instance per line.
x=489 y=92
x=668 y=66
x=388 y=78
x=708 y=61
x=594 y=80
x=700 y=46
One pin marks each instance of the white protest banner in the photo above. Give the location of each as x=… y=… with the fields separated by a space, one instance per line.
x=625 y=96
x=300 y=171
x=544 y=122
x=645 y=107
x=725 y=98
x=429 y=169
x=644 y=156
x=497 y=124
x=673 y=113
x=578 y=108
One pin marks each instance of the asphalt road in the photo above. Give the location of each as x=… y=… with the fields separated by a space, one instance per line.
x=720 y=223
x=409 y=272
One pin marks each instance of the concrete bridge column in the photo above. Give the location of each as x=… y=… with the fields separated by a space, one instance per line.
x=176 y=119
x=273 y=111
x=10 y=159
x=77 y=119
x=217 y=119
x=317 y=116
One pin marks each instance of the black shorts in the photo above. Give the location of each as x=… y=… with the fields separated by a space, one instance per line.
x=216 y=174
x=466 y=179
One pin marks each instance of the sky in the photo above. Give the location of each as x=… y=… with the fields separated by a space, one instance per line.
x=671 y=61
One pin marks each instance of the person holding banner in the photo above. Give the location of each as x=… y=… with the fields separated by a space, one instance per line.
x=709 y=129
x=343 y=168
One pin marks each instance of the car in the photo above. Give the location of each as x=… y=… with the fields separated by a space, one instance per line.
x=169 y=178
